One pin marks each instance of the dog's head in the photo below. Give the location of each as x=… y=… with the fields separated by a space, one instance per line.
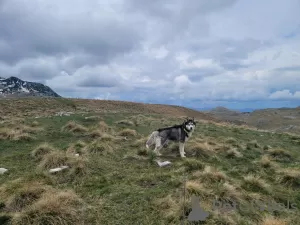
x=189 y=124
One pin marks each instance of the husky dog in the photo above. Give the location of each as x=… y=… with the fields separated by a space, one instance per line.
x=177 y=133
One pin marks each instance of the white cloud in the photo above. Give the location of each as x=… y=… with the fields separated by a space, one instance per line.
x=285 y=95
x=182 y=82
x=204 y=50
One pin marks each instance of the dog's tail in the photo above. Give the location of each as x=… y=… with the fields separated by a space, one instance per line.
x=151 y=139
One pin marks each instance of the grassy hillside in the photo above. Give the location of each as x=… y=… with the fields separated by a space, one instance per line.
x=32 y=107
x=114 y=180
x=278 y=120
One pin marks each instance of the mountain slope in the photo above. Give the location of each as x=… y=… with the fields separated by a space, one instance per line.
x=15 y=87
x=31 y=107
x=279 y=120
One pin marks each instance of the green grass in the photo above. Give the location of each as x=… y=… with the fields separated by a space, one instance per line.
x=119 y=189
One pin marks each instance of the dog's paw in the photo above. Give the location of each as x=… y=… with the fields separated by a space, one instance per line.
x=183 y=156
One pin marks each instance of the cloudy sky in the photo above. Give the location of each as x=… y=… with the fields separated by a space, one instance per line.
x=197 y=53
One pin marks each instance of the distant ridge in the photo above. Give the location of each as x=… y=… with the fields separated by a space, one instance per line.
x=15 y=87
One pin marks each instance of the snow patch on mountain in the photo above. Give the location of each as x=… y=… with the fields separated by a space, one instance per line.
x=14 y=86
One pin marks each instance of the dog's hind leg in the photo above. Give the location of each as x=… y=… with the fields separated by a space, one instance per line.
x=181 y=150
x=151 y=139
x=158 y=146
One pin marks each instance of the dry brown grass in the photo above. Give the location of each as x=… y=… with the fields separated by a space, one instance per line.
x=171 y=208
x=140 y=142
x=256 y=183
x=270 y=220
x=231 y=153
x=20 y=107
x=80 y=144
x=95 y=133
x=98 y=147
x=231 y=140
x=74 y=127
x=18 y=133
x=252 y=144
x=200 y=150
x=194 y=187
x=290 y=177
x=102 y=126
x=211 y=175
x=53 y=159
x=43 y=149
x=30 y=130
x=108 y=137
x=279 y=153
x=231 y=192
x=18 y=194
x=266 y=162
x=53 y=208
x=35 y=123
x=125 y=122
x=128 y=133
x=193 y=164
x=76 y=148
x=77 y=165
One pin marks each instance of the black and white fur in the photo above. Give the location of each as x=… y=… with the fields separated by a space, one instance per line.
x=177 y=133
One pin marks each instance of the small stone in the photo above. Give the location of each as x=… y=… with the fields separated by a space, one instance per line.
x=3 y=170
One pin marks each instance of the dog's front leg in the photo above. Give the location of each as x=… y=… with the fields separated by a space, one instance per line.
x=158 y=146
x=181 y=150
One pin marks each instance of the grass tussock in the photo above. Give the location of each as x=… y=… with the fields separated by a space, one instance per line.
x=230 y=192
x=290 y=177
x=53 y=207
x=169 y=206
x=125 y=122
x=16 y=134
x=128 y=133
x=76 y=148
x=42 y=150
x=279 y=153
x=95 y=133
x=80 y=144
x=252 y=144
x=266 y=162
x=139 y=143
x=107 y=137
x=30 y=130
x=18 y=194
x=53 y=159
x=24 y=197
x=194 y=187
x=74 y=127
x=103 y=127
x=231 y=141
x=35 y=123
x=211 y=175
x=255 y=183
x=98 y=147
x=234 y=153
x=222 y=148
x=193 y=164
x=270 y=220
x=77 y=165
x=200 y=150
